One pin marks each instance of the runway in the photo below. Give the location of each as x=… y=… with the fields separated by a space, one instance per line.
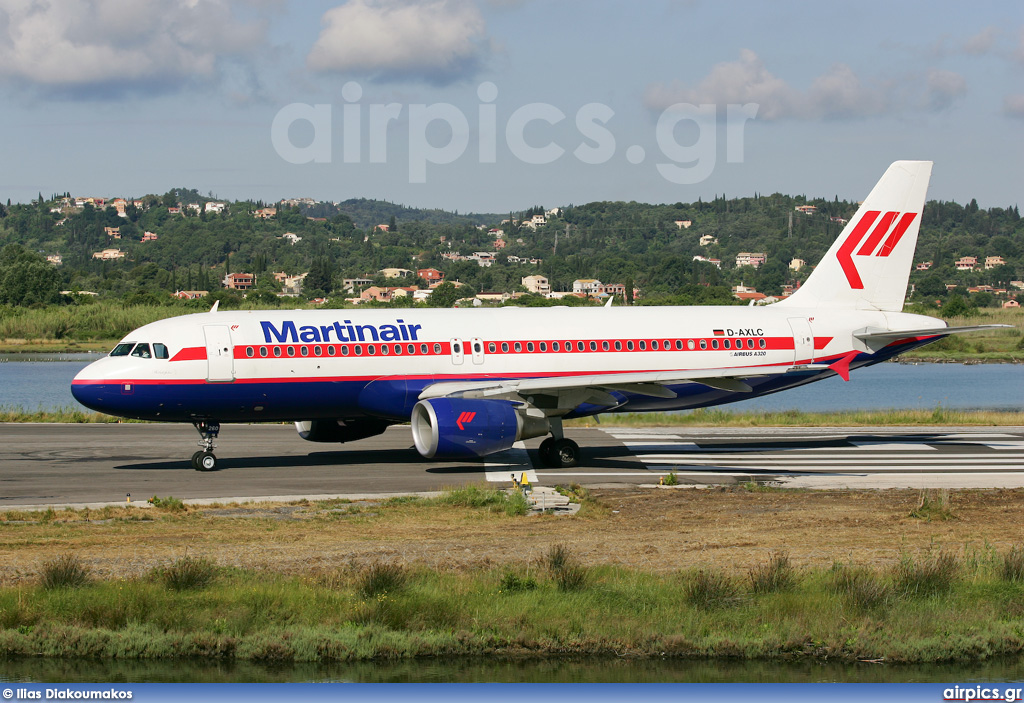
x=51 y=464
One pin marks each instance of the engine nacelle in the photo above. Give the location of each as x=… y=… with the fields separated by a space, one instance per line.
x=339 y=430
x=459 y=428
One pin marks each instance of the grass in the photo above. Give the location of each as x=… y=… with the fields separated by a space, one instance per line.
x=385 y=611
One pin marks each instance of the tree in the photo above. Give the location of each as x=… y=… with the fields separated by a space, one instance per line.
x=444 y=296
x=27 y=278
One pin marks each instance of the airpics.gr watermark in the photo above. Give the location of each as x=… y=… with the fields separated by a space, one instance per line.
x=368 y=125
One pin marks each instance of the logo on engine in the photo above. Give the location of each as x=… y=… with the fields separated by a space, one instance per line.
x=466 y=417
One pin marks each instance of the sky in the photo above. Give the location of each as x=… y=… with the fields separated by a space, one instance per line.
x=499 y=105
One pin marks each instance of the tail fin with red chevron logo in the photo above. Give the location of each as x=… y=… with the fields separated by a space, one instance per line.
x=868 y=266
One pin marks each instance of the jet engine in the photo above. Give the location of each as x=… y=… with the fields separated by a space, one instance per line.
x=459 y=428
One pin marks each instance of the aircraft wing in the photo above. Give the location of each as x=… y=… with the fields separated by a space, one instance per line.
x=596 y=386
x=877 y=334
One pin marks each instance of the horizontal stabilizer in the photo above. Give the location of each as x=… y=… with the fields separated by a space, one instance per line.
x=883 y=335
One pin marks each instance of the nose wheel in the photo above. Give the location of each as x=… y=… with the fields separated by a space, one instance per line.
x=204 y=460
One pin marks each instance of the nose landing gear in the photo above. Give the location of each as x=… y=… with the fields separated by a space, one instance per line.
x=204 y=460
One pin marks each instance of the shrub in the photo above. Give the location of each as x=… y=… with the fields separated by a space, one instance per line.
x=168 y=503
x=933 y=505
x=862 y=587
x=558 y=557
x=568 y=573
x=511 y=582
x=66 y=571
x=671 y=479
x=188 y=574
x=711 y=589
x=932 y=574
x=1013 y=564
x=381 y=577
x=777 y=575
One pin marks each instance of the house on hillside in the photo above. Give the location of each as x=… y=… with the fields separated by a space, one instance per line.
x=746 y=258
x=239 y=281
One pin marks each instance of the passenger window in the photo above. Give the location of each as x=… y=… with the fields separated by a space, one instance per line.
x=141 y=350
x=642 y=344
x=579 y=346
x=761 y=343
x=263 y=351
x=714 y=344
x=398 y=348
x=703 y=344
x=249 y=352
x=529 y=346
x=725 y=343
x=654 y=345
x=122 y=349
x=330 y=350
x=690 y=345
x=618 y=345
x=629 y=344
x=604 y=345
x=554 y=346
x=518 y=346
x=437 y=348
x=543 y=346
x=504 y=347
x=490 y=347
x=160 y=351
x=277 y=351
x=593 y=346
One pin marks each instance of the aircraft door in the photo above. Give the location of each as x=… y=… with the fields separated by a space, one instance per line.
x=220 y=362
x=458 y=353
x=477 y=346
x=803 y=340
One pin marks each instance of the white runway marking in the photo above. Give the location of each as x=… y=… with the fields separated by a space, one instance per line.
x=856 y=461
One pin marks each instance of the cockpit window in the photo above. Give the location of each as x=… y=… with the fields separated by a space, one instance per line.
x=122 y=349
x=141 y=350
x=160 y=351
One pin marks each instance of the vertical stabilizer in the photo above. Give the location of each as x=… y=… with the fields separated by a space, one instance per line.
x=868 y=266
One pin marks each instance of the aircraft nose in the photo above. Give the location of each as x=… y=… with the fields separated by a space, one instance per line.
x=89 y=389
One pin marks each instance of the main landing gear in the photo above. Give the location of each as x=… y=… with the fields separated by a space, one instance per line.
x=558 y=451
x=204 y=460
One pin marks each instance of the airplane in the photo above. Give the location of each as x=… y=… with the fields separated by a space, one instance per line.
x=473 y=382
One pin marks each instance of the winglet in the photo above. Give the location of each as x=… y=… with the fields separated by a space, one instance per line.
x=216 y=303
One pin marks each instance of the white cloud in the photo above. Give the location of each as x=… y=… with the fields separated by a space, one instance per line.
x=944 y=88
x=435 y=40
x=982 y=42
x=838 y=93
x=1013 y=106
x=116 y=46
